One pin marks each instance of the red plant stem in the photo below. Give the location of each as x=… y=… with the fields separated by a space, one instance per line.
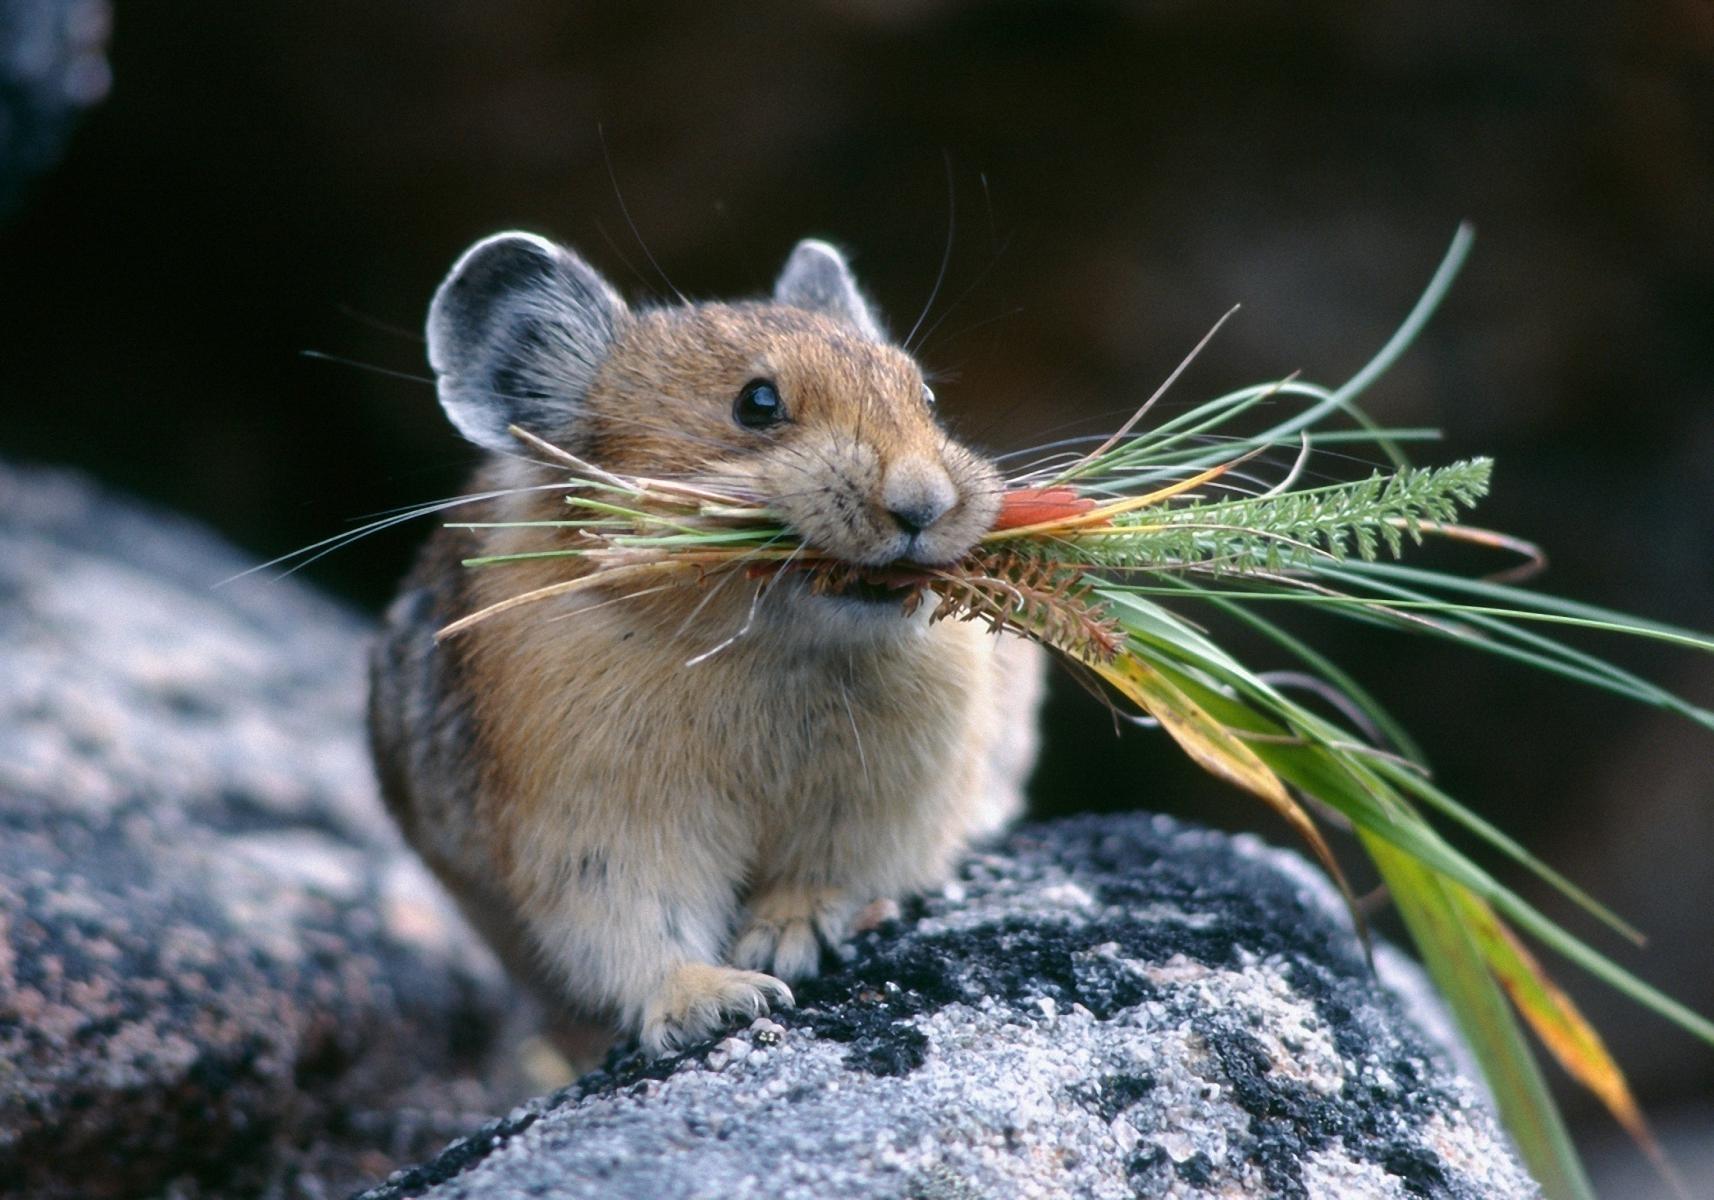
x=1035 y=506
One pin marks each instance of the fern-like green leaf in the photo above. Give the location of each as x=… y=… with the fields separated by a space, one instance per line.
x=1292 y=530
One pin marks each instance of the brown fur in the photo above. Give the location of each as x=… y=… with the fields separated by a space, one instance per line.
x=640 y=826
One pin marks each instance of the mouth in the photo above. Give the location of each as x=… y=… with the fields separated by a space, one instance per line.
x=876 y=586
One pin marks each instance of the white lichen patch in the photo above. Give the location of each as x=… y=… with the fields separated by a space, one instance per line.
x=1475 y=1149
x=1329 y=1175
x=1068 y=895
x=1298 y=1043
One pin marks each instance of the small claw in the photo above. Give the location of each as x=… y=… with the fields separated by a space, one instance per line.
x=699 y=999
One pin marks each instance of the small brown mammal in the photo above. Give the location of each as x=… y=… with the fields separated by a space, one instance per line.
x=655 y=836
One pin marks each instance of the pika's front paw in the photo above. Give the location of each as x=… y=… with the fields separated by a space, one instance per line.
x=699 y=999
x=787 y=928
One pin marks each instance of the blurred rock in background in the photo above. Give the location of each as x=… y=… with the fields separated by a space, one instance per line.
x=221 y=972
x=53 y=66
x=271 y=178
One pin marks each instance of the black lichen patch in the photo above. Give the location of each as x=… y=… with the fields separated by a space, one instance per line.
x=456 y=1158
x=1197 y=1170
x=1418 y=1168
x=626 y=1067
x=1290 y=1121
x=899 y=1051
x=874 y=1023
x=1242 y=910
x=1144 y=1169
x=1111 y=1095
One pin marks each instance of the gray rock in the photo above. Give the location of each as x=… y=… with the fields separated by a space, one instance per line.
x=220 y=971
x=1104 y=1007
x=53 y=66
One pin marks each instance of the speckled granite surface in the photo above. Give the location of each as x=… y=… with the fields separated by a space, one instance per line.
x=1106 y=1007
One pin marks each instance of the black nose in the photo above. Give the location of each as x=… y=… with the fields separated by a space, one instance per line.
x=914 y=518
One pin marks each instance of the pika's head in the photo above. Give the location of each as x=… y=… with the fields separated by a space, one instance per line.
x=800 y=400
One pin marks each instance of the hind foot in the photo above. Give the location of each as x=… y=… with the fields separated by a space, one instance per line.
x=788 y=926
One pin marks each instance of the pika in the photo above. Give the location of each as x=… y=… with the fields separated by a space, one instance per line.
x=656 y=838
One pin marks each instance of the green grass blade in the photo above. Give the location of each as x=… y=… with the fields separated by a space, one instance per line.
x=1384 y=722
x=1554 y=656
x=1602 y=967
x=1479 y=630
x=1461 y=974
x=1525 y=599
x=1425 y=790
x=1345 y=396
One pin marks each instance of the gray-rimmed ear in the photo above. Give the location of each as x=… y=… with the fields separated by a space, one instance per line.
x=516 y=333
x=816 y=277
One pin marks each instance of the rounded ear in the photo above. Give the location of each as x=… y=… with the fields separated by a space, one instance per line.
x=816 y=277
x=516 y=333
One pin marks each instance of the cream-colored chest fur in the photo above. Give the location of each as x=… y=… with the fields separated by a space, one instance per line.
x=778 y=755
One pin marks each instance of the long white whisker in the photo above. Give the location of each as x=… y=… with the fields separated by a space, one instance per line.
x=749 y=620
x=326 y=546
x=704 y=602
x=851 y=713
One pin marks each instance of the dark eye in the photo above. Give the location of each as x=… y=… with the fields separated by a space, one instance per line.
x=928 y=395
x=759 y=405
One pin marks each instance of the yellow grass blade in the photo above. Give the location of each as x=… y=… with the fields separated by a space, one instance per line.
x=1106 y=512
x=605 y=578
x=1556 y=1020
x=1550 y=1012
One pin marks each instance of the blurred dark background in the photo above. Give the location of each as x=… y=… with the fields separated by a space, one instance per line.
x=269 y=178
